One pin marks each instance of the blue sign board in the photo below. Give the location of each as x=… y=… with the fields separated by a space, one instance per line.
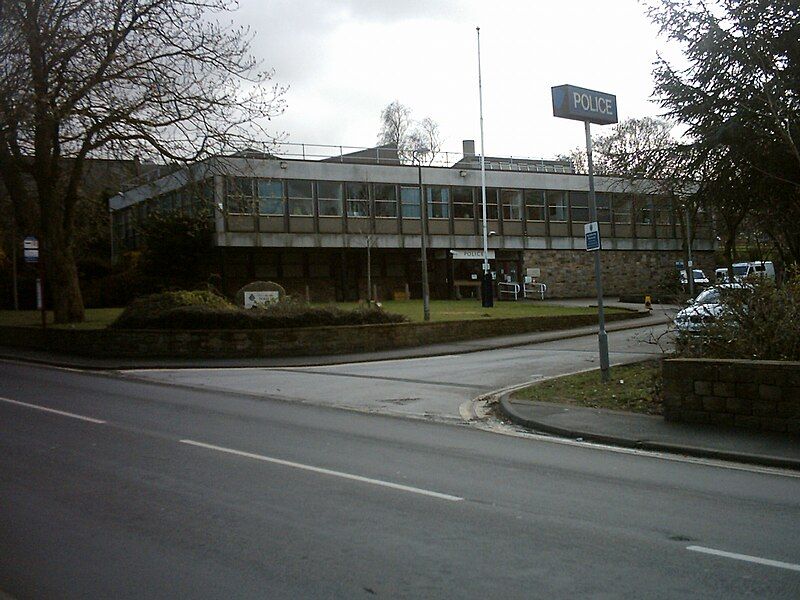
x=592 y=233
x=580 y=104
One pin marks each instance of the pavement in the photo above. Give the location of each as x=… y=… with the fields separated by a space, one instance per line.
x=595 y=425
x=646 y=432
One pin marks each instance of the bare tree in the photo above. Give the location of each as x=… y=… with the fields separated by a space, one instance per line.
x=103 y=78
x=414 y=140
x=396 y=125
x=425 y=141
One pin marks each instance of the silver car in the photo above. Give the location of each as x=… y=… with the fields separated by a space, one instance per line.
x=704 y=309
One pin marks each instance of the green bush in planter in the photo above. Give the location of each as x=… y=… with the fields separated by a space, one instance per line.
x=143 y=312
x=203 y=310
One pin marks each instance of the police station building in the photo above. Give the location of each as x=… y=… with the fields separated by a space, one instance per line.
x=308 y=224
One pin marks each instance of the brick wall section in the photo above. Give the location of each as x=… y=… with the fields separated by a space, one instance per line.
x=302 y=341
x=742 y=393
x=570 y=273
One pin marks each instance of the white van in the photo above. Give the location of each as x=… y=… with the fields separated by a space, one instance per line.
x=742 y=270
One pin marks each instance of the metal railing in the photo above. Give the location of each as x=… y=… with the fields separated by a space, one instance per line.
x=365 y=155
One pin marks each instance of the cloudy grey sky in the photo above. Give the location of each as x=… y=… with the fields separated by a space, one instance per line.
x=344 y=60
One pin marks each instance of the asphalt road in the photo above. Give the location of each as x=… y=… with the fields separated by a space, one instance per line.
x=143 y=490
x=434 y=386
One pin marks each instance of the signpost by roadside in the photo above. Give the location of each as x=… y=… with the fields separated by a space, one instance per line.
x=30 y=252
x=590 y=106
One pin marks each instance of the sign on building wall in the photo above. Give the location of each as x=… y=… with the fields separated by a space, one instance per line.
x=470 y=254
x=580 y=104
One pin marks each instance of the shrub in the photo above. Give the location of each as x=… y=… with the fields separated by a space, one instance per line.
x=760 y=321
x=178 y=312
x=142 y=312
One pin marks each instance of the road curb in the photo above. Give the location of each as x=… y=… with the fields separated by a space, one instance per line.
x=696 y=451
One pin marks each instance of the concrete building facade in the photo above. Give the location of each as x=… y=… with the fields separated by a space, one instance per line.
x=310 y=224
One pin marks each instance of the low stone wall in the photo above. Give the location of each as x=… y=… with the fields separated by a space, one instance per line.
x=742 y=393
x=303 y=341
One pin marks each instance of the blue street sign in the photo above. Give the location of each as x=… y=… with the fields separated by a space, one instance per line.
x=592 y=233
x=580 y=104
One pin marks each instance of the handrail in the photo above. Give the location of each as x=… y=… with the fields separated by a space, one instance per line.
x=534 y=290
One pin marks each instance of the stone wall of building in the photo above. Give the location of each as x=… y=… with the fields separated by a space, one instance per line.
x=570 y=273
x=742 y=393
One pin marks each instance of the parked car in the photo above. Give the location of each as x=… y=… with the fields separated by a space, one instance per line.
x=698 y=276
x=706 y=308
x=742 y=270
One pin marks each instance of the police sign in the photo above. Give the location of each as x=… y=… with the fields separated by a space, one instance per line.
x=580 y=104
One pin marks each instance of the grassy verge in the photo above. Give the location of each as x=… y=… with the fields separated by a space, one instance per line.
x=465 y=310
x=96 y=318
x=632 y=388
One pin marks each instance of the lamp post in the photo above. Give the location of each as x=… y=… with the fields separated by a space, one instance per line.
x=426 y=300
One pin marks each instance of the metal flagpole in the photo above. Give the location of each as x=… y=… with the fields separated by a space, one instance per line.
x=487 y=294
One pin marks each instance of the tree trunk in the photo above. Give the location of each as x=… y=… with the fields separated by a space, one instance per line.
x=61 y=274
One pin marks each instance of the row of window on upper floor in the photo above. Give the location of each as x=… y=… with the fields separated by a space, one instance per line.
x=275 y=197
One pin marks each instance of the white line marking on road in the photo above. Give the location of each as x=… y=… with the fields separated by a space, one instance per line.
x=745 y=557
x=53 y=410
x=294 y=465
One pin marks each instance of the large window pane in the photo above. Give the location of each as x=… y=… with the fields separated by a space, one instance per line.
x=329 y=195
x=579 y=204
x=238 y=196
x=409 y=201
x=491 y=203
x=301 y=202
x=357 y=200
x=603 y=208
x=511 y=201
x=385 y=200
x=621 y=208
x=557 y=205
x=463 y=207
x=534 y=205
x=438 y=200
x=644 y=210
x=270 y=197
x=663 y=211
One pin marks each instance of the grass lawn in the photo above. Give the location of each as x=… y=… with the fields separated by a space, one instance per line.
x=441 y=310
x=631 y=388
x=461 y=310
x=96 y=318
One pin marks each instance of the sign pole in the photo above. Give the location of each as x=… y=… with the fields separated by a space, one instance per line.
x=14 y=276
x=602 y=336
x=590 y=106
x=40 y=291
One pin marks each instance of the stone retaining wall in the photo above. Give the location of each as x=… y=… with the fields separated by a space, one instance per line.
x=570 y=273
x=303 y=341
x=741 y=393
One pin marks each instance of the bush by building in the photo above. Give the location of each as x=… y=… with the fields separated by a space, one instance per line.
x=206 y=310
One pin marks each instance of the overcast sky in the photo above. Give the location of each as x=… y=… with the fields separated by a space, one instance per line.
x=344 y=60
